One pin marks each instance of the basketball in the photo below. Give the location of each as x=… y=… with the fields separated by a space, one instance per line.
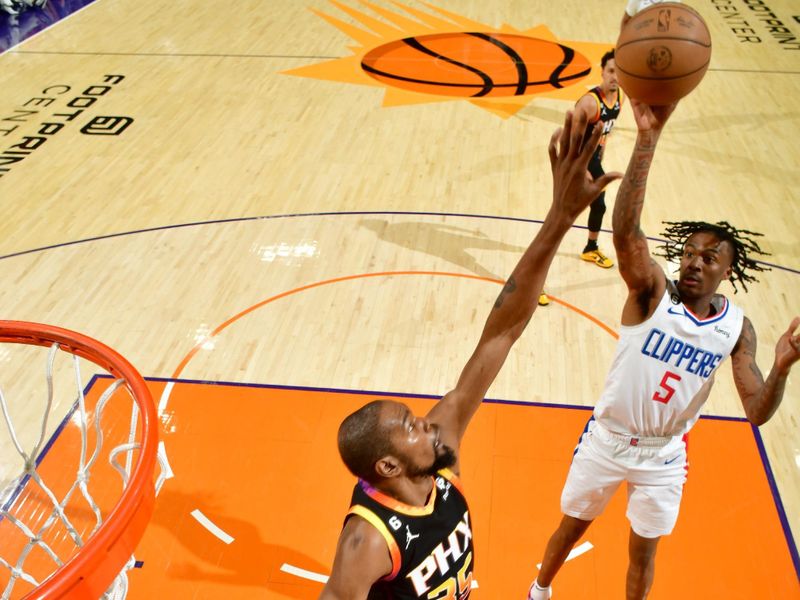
x=662 y=53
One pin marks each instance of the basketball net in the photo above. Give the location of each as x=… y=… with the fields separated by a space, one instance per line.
x=54 y=522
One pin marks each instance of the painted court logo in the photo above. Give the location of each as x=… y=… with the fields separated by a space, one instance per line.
x=431 y=57
x=40 y=118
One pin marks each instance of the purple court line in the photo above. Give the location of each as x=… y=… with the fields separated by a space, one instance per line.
x=23 y=482
x=778 y=503
x=304 y=388
x=323 y=214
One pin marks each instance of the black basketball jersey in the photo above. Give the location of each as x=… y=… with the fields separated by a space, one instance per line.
x=430 y=546
x=606 y=114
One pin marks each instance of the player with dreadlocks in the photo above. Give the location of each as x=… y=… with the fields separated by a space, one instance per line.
x=673 y=337
x=740 y=242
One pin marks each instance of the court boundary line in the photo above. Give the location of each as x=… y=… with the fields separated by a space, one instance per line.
x=325 y=214
x=49 y=444
x=271 y=56
x=773 y=486
x=167 y=54
x=335 y=390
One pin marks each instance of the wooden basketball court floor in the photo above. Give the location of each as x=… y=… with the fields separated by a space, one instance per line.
x=283 y=247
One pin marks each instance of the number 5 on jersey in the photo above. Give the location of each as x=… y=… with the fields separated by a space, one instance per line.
x=666 y=388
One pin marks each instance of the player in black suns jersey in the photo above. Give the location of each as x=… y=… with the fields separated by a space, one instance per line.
x=601 y=104
x=408 y=534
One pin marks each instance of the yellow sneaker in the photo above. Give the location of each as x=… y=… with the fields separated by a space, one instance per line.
x=543 y=299
x=598 y=258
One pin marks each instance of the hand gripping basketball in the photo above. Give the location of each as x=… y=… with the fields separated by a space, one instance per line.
x=651 y=118
x=573 y=186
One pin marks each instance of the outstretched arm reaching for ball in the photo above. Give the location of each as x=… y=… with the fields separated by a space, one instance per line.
x=644 y=278
x=573 y=190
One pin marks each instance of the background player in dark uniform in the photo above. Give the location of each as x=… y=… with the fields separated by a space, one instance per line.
x=408 y=533
x=602 y=103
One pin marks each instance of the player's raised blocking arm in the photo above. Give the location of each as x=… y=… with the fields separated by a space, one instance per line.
x=573 y=191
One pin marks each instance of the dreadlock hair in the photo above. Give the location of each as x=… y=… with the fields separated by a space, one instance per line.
x=741 y=240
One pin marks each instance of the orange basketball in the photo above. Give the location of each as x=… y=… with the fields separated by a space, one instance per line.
x=663 y=53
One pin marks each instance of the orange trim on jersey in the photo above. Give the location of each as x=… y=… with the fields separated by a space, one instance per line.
x=602 y=97
x=394 y=550
x=453 y=478
x=716 y=315
x=396 y=505
x=599 y=110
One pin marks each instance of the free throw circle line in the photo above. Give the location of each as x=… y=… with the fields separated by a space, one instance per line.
x=220 y=328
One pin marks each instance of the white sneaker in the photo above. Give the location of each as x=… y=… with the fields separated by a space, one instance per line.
x=635 y=6
x=537 y=593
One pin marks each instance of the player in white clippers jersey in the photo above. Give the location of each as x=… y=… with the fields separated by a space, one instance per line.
x=670 y=358
x=674 y=336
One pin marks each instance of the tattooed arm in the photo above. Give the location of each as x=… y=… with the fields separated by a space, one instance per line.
x=761 y=398
x=573 y=191
x=645 y=280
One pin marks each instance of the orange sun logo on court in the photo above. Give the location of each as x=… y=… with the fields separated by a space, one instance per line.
x=420 y=57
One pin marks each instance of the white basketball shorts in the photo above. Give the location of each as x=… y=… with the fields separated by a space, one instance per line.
x=655 y=470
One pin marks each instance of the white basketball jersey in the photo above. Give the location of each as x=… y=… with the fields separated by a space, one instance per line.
x=664 y=368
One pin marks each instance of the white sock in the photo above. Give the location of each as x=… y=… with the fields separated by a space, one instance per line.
x=537 y=592
x=635 y=6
